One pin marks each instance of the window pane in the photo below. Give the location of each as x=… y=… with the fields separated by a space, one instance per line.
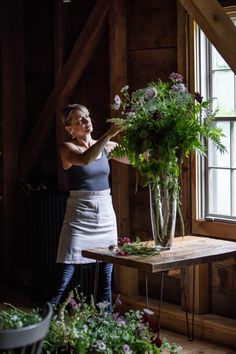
x=222 y=83
x=215 y=158
x=234 y=194
x=219 y=201
x=217 y=60
x=233 y=145
x=233 y=20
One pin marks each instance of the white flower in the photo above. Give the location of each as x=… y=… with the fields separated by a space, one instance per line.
x=103 y=305
x=130 y=114
x=19 y=324
x=125 y=88
x=117 y=102
x=100 y=345
x=148 y=312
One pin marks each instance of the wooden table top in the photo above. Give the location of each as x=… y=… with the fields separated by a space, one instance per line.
x=187 y=250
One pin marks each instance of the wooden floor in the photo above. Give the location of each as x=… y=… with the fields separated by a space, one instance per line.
x=196 y=346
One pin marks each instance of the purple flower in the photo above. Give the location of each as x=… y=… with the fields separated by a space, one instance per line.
x=175 y=77
x=126 y=349
x=178 y=87
x=150 y=93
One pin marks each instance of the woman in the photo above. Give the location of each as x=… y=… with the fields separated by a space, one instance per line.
x=90 y=220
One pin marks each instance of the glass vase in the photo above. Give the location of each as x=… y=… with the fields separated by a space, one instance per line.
x=163 y=197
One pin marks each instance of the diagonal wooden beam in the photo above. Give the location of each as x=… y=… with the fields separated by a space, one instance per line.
x=68 y=79
x=217 y=26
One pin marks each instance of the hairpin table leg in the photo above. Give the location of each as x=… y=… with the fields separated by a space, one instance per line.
x=160 y=302
x=95 y=289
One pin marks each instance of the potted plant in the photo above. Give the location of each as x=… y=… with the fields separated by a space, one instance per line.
x=23 y=330
x=162 y=125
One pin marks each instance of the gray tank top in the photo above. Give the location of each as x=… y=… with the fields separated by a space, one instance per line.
x=91 y=177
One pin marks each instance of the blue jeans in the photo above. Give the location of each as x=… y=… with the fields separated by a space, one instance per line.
x=64 y=273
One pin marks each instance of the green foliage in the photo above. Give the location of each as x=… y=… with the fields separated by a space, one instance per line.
x=82 y=328
x=163 y=124
x=13 y=318
x=136 y=248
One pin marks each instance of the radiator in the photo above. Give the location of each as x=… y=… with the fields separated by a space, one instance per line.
x=46 y=215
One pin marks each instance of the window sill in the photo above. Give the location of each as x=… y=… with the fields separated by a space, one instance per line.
x=216 y=229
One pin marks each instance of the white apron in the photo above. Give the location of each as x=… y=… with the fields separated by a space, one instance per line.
x=89 y=222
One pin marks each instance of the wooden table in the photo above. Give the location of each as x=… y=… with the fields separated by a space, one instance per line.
x=187 y=250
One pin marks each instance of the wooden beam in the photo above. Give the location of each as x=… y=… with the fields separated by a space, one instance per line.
x=217 y=26
x=68 y=79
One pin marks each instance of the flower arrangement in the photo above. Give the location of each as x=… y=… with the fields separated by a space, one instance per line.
x=163 y=123
x=79 y=327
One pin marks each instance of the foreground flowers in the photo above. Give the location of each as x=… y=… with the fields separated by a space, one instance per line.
x=92 y=329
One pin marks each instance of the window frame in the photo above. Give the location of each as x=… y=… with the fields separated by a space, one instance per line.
x=224 y=229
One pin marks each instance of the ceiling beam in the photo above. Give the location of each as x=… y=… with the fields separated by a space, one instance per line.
x=216 y=25
x=68 y=79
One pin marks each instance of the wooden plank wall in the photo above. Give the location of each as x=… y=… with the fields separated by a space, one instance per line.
x=151 y=53
x=223 y=288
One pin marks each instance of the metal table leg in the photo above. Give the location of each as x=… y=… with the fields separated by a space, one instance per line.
x=95 y=289
x=160 y=302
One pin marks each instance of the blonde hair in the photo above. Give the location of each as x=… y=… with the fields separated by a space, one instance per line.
x=69 y=111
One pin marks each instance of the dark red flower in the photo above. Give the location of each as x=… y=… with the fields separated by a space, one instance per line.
x=123 y=240
x=73 y=304
x=154 y=326
x=198 y=97
x=157 y=341
x=122 y=253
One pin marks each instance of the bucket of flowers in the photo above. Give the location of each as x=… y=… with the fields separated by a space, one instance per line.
x=83 y=328
x=163 y=124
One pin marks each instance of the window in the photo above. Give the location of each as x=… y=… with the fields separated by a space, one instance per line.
x=216 y=174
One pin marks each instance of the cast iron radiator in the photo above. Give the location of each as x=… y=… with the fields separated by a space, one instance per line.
x=46 y=215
